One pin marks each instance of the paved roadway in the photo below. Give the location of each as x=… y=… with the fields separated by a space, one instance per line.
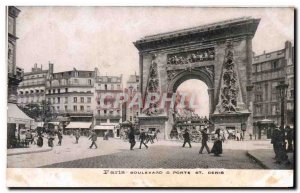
x=115 y=153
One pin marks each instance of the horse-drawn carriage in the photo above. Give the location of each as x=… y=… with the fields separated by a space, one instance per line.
x=190 y=121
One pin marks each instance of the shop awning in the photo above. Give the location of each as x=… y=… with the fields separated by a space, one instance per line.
x=266 y=121
x=104 y=127
x=16 y=115
x=54 y=123
x=39 y=124
x=79 y=125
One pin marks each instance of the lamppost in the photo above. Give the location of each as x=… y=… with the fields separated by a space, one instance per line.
x=282 y=87
x=277 y=114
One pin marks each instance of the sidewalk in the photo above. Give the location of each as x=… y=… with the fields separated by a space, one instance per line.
x=264 y=157
x=29 y=150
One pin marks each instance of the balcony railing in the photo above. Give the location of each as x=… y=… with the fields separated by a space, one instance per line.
x=24 y=84
x=70 y=84
x=107 y=116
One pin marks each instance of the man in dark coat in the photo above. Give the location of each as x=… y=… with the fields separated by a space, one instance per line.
x=77 y=135
x=275 y=141
x=131 y=138
x=93 y=137
x=204 y=141
x=142 y=139
x=60 y=136
x=280 y=146
x=186 y=137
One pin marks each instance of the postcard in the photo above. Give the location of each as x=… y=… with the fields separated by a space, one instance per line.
x=150 y=97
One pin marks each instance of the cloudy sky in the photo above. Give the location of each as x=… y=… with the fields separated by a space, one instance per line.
x=88 y=37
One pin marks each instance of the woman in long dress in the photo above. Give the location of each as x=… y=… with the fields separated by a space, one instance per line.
x=217 y=147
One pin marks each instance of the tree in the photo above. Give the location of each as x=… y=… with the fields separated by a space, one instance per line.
x=39 y=112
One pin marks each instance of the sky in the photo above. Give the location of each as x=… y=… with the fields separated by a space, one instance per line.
x=89 y=37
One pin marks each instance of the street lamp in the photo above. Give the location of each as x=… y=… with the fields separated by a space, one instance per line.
x=281 y=88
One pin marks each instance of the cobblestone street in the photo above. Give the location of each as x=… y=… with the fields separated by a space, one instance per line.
x=164 y=157
x=115 y=153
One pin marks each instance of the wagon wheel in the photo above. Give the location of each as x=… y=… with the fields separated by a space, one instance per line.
x=195 y=136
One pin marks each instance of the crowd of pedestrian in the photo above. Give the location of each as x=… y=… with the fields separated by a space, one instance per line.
x=282 y=139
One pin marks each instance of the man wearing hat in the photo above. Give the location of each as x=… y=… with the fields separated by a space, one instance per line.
x=204 y=141
x=93 y=137
x=142 y=139
x=186 y=137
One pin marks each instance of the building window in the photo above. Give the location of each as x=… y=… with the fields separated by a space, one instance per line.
x=258 y=87
x=274 y=64
x=66 y=108
x=118 y=87
x=53 y=91
x=89 y=99
x=258 y=68
x=75 y=108
x=104 y=112
x=112 y=87
x=66 y=89
x=289 y=106
x=81 y=108
x=130 y=118
x=88 y=108
x=57 y=108
x=105 y=87
x=291 y=83
x=258 y=110
x=291 y=94
x=275 y=110
x=90 y=74
x=58 y=100
x=58 y=90
x=89 y=82
x=82 y=99
x=98 y=112
x=75 y=81
x=75 y=99
x=258 y=98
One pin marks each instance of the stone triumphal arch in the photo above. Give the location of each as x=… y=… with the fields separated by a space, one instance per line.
x=219 y=54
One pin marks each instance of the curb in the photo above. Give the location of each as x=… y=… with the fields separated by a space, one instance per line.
x=257 y=160
x=28 y=152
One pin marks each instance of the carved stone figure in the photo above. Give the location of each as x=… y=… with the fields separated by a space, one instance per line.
x=191 y=56
x=229 y=89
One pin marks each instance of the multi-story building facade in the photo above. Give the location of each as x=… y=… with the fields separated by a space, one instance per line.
x=107 y=117
x=15 y=74
x=290 y=79
x=268 y=70
x=32 y=88
x=71 y=94
x=132 y=88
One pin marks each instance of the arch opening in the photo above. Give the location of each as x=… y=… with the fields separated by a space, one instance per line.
x=197 y=98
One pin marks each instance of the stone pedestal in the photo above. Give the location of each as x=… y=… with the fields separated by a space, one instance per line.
x=154 y=121
x=234 y=120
